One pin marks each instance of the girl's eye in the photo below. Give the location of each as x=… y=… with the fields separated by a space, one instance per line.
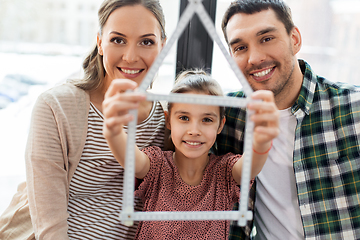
x=207 y=120
x=147 y=42
x=184 y=118
x=117 y=40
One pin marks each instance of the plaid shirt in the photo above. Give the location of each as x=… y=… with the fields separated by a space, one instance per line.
x=326 y=157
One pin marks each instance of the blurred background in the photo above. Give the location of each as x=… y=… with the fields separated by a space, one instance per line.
x=43 y=43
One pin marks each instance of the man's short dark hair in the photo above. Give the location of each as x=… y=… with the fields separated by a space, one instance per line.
x=282 y=11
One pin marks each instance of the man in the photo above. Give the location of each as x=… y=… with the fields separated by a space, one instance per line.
x=309 y=187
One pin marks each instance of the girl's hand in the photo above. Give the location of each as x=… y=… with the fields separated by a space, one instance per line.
x=266 y=119
x=116 y=105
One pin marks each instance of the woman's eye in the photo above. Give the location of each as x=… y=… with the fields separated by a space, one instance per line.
x=147 y=42
x=117 y=40
x=184 y=118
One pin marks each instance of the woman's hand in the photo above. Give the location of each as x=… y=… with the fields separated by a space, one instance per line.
x=116 y=105
x=266 y=119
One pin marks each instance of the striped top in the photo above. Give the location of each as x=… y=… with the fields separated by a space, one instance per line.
x=95 y=194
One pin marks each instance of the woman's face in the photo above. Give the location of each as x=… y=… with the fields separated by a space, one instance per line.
x=129 y=44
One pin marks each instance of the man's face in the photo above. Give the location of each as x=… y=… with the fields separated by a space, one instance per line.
x=264 y=51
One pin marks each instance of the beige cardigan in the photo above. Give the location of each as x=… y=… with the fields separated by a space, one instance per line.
x=56 y=140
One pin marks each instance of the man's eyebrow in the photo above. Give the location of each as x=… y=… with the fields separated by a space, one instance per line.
x=235 y=41
x=261 y=32
x=266 y=30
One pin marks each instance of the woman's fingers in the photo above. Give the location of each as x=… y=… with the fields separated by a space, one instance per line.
x=117 y=103
x=120 y=104
x=113 y=125
x=120 y=85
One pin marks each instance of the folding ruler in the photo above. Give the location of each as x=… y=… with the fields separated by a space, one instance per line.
x=128 y=215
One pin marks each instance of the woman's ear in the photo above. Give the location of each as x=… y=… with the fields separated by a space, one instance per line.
x=163 y=43
x=167 y=120
x=221 y=126
x=98 y=42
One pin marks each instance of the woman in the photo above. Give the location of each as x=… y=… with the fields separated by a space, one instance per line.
x=74 y=182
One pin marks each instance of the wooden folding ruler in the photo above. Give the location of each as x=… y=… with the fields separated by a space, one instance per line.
x=128 y=215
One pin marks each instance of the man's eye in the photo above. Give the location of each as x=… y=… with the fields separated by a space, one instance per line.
x=267 y=39
x=240 y=48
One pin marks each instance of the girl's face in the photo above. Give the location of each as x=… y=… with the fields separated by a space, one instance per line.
x=129 y=44
x=194 y=128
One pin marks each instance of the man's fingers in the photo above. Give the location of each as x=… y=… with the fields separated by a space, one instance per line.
x=262 y=106
x=264 y=95
x=266 y=117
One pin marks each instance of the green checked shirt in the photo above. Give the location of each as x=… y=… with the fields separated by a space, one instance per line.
x=326 y=157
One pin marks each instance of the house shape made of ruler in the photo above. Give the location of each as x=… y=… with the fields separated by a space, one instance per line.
x=128 y=215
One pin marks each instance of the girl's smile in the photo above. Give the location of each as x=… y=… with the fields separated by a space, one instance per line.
x=193 y=128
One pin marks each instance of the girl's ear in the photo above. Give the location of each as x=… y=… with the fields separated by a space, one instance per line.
x=167 y=120
x=221 y=126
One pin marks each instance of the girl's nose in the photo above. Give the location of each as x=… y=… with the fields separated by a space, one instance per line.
x=194 y=130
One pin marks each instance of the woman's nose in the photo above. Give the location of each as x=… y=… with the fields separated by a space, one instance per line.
x=130 y=54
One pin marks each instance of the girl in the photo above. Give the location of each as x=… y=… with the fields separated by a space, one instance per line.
x=191 y=179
